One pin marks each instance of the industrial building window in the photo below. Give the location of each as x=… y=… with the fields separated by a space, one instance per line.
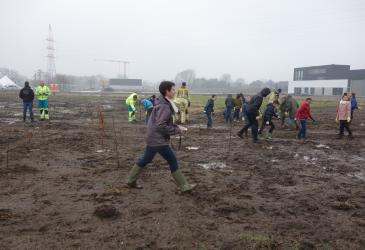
x=297 y=91
x=337 y=91
x=306 y=91
x=312 y=91
x=298 y=75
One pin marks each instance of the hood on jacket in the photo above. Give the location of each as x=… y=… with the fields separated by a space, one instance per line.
x=265 y=92
x=160 y=100
x=164 y=101
x=344 y=102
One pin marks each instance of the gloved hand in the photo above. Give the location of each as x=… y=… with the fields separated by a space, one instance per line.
x=267 y=123
x=258 y=117
x=337 y=120
x=286 y=113
x=359 y=108
x=349 y=119
x=182 y=129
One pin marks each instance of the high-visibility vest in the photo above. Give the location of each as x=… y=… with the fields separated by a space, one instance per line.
x=42 y=92
x=131 y=101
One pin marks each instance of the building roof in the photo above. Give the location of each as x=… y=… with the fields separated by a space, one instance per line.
x=357 y=74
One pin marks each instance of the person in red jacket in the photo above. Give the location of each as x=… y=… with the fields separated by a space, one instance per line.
x=302 y=115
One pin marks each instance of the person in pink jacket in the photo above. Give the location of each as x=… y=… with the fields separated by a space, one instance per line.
x=344 y=116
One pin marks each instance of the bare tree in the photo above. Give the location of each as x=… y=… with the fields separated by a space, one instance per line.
x=187 y=75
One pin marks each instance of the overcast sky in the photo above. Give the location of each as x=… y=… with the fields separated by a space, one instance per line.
x=253 y=39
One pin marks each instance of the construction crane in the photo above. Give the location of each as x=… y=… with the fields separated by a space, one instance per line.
x=119 y=64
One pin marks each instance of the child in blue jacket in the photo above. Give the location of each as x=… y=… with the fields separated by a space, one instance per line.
x=148 y=107
x=209 y=110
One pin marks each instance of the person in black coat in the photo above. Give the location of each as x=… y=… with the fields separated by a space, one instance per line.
x=270 y=112
x=252 y=112
x=27 y=95
x=209 y=110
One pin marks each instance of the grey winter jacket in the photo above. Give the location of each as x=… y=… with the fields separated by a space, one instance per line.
x=160 y=124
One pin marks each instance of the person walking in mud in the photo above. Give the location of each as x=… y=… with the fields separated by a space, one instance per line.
x=270 y=112
x=27 y=95
x=252 y=112
x=353 y=105
x=159 y=129
x=302 y=115
x=344 y=116
x=209 y=110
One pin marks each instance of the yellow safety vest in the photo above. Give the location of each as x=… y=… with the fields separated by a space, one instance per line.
x=42 y=92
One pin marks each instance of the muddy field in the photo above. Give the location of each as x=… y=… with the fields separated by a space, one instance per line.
x=62 y=184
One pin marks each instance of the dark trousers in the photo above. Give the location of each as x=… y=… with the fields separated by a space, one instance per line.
x=236 y=114
x=165 y=151
x=149 y=112
x=271 y=124
x=252 y=122
x=228 y=114
x=344 y=125
x=210 y=119
x=27 y=106
x=303 y=129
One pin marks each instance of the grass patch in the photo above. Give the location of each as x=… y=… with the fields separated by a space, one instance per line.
x=253 y=241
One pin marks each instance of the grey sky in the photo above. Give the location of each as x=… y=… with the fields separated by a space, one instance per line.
x=256 y=39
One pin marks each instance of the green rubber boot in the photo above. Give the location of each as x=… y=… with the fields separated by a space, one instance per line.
x=181 y=182
x=133 y=176
x=269 y=136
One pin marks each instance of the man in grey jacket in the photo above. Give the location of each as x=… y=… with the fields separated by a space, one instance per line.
x=159 y=129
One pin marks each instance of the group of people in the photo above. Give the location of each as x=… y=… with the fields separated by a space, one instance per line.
x=181 y=101
x=286 y=109
x=42 y=92
x=160 y=112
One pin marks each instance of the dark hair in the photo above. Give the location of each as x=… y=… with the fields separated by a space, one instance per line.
x=183 y=84
x=134 y=96
x=153 y=96
x=308 y=99
x=214 y=96
x=279 y=90
x=165 y=86
x=26 y=84
x=354 y=94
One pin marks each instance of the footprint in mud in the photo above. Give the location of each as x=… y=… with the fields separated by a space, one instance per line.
x=5 y=214
x=106 y=211
x=286 y=181
x=228 y=209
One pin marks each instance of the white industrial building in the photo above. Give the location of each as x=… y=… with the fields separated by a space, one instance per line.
x=125 y=84
x=318 y=87
x=327 y=80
